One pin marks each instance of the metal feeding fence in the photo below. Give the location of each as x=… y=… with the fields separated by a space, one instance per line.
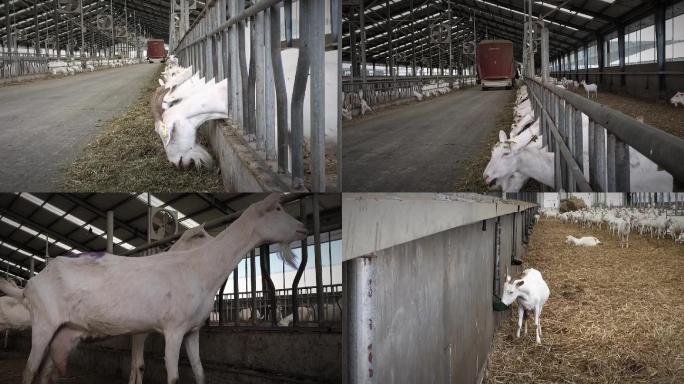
x=611 y=134
x=230 y=311
x=14 y=64
x=257 y=96
x=377 y=91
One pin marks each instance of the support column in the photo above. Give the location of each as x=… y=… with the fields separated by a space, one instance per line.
x=621 y=53
x=362 y=27
x=358 y=340
x=660 y=49
x=601 y=57
x=545 y=53
x=110 y=231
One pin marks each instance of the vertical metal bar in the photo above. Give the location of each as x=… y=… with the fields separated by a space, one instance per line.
x=317 y=97
x=110 y=232
x=281 y=91
x=243 y=75
x=622 y=180
x=579 y=140
x=302 y=266
x=250 y=103
x=298 y=92
x=569 y=140
x=236 y=296
x=252 y=273
x=317 y=251
x=610 y=165
x=269 y=91
x=265 y=255
x=259 y=80
x=359 y=310
x=288 y=23
x=593 y=161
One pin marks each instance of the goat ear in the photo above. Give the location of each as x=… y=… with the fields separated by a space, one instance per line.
x=270 y=202
x=503 y=137
x=161 y=82
x=519 y=283
x=508 y=278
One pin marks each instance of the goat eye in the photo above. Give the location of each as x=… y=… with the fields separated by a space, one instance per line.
x=278 y=209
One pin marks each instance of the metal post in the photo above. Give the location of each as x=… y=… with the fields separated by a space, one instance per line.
x=299 y=89
x=302 y=266
x=544 y=52
x=112 y=49
x=252 y=273
x=317 y=250
x=358 y=307
x=317 y=98
x=110 y=231
x=82 y=35
x=660 y=47
x=280 y=89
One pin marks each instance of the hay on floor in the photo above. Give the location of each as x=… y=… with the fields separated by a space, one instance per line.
x=614 y=315
x=128 y=156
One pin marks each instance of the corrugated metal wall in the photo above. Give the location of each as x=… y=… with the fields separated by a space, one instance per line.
x=431 y=317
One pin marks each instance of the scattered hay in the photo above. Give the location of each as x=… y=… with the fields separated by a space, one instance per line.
x=128 y=156
x=472 y=180
x=659 y=114
x=572 y=203
x=614 y=316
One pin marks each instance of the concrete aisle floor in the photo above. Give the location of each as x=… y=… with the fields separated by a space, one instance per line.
x=420 y=147
x=45 y=124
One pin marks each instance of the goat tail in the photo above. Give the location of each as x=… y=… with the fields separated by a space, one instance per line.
x=287 y=255
x=11 y=289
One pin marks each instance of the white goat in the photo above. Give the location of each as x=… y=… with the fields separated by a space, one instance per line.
x=590 y=88
x=13 y=314
x=519 y=155
x=77 y=293
x=305 y=314
x=583 y=241
x=365 y=108
x=65 y=342
x=677 y=99
x=531 y=293
x=177 y=126
x=623 y=229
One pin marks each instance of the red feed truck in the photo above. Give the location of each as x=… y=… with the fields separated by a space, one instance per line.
x=495 y=66
x=156 y=50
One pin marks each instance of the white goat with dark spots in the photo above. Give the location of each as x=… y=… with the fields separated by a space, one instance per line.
x=531 y=293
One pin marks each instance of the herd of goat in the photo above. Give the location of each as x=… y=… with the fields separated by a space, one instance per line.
x=72 y=67
x=180 y=105
x=521 y=155
x=96 y=295
x=621 y=222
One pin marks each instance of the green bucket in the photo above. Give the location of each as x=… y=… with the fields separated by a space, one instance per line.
x=498 y=305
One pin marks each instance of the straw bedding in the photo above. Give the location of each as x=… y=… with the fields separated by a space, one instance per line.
x=614 y=316
x=128 y=156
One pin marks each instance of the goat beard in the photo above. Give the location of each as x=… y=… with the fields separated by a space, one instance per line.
x=287 y=255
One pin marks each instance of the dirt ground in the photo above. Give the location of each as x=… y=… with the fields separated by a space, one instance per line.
x=614 y=315
x=657 y=114
x=12 y=365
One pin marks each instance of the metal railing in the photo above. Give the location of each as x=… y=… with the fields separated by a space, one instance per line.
x=380 y=90
x=610 y=136
x=228 y=312
x=258 y=103
x=16 y=65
